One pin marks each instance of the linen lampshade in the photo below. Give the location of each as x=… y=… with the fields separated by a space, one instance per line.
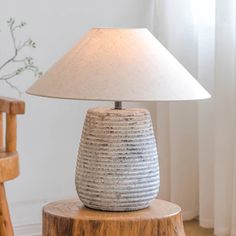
x=119 y=65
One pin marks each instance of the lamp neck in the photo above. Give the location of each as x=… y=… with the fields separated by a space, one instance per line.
x=118 y=105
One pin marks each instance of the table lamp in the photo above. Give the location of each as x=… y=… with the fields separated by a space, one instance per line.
x=117 y=166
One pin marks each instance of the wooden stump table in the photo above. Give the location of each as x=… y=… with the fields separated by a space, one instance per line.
x=71 y=218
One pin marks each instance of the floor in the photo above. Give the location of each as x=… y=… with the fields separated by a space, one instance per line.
x=192 y=228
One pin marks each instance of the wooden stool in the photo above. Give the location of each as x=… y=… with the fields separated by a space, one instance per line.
x=9 y=165
x=71 y=218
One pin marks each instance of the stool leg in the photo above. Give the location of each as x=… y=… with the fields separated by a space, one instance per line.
x=6 y=228
x=1 y=130
x=11 y=133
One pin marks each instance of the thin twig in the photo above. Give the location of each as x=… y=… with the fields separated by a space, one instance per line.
x=28 y=63
x=14 y=87
x=15 y=48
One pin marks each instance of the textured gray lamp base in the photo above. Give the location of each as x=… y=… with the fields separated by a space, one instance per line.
x=117 y=167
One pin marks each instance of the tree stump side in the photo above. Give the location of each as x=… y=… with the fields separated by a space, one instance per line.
x=71 y=218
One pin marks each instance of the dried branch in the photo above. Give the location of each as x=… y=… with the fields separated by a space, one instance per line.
x=26 y=64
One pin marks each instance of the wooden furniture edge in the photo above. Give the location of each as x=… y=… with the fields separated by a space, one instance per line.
x=12 y=106
x=9 y=166
x=9 y=160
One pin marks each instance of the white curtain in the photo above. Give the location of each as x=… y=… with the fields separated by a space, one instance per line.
x=197 y=140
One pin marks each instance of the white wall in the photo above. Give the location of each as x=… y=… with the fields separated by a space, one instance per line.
x=49 y=132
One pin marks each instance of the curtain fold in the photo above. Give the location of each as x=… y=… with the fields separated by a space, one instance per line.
x=196 y=140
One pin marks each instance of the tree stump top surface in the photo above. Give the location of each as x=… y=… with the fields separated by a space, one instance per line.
x=74 y=209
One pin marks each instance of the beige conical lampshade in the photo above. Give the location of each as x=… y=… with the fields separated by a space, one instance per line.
x=119 y=65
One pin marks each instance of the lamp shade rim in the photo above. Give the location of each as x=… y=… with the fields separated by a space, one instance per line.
x=207 y=96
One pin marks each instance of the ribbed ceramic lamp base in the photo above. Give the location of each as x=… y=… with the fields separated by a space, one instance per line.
x=117 y=167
